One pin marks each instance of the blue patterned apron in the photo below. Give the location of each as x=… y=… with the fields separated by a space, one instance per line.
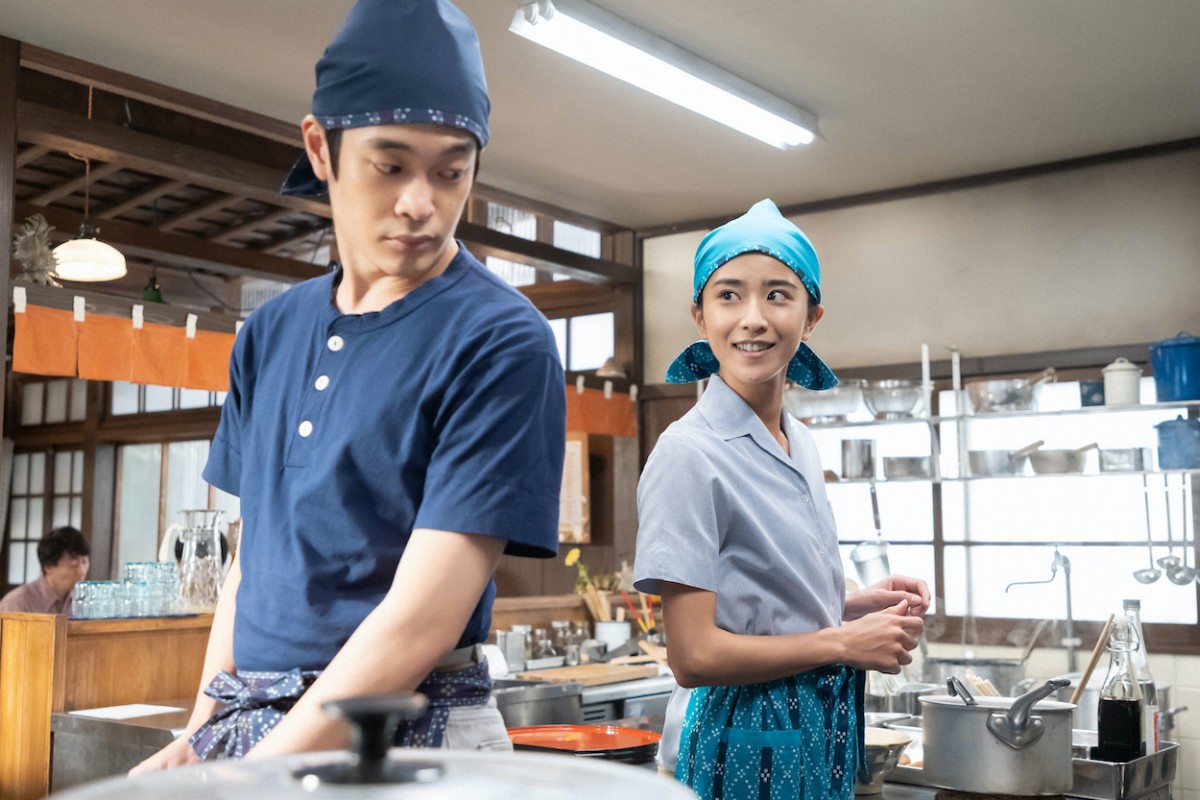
x=797 y=737
x=253 y=703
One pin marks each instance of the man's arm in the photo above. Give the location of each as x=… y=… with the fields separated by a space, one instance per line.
x=218 y=656
x=438 y=583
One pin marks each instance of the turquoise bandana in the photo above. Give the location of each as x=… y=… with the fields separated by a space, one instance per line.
x=762 y=229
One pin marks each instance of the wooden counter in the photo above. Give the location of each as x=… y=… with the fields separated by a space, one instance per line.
x=49 y=664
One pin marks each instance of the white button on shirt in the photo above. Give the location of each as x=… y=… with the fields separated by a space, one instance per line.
x=306 y=429
x=336 y=343
x=322 y=383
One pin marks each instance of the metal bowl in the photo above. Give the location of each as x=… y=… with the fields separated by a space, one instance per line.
x=992 y=463
x=883 y=751
x=895 y=467
x=891 y=399
x=831 y=405
x=1009 y=395
x=1057 y=462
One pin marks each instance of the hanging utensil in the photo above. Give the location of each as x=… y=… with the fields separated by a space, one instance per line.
x=875 y=510
x=1169 y=561
x=1037 y=632
x=1183 y=575
x=1148 y=574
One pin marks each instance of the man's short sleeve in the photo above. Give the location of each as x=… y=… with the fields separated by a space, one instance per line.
x=224 y=467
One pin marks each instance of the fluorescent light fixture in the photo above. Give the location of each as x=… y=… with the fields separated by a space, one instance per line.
x=592 y=36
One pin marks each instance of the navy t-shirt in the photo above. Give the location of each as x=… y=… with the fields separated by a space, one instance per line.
x=342 y=433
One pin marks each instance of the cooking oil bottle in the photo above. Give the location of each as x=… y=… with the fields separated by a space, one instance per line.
x=1120 y=713
x=1141 y=668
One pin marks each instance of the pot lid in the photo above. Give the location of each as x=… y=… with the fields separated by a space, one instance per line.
x=464 y=775
x=989 y=703
x=1122 y=365
x=1181 y=339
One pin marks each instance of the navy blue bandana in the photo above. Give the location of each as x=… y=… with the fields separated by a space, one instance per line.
x=398 y=61
x=762 y=229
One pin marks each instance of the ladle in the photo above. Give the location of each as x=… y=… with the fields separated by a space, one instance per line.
x=1169 y=561
x=956 y=688
x=1183 y=575
x=1148 y=574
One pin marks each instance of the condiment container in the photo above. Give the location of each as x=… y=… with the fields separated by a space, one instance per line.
x=858 y=459
x=1121 y=382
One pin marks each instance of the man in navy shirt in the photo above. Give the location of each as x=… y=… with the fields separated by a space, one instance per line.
x=391 y=428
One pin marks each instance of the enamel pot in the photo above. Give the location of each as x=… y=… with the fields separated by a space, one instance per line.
x=999 y=745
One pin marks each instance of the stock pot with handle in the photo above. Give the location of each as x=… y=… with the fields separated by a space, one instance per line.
x=999 y=745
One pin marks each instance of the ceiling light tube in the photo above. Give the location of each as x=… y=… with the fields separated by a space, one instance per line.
x=592 y=36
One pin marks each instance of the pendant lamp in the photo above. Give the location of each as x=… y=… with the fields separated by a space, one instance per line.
x=86 y=258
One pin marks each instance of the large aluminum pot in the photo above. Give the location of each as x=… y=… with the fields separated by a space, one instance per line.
x=999 y=745
x=1004 y=673
x=436 y=775
x=1005 y=395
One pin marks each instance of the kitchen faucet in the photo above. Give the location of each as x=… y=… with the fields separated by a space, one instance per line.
x=1069 y=641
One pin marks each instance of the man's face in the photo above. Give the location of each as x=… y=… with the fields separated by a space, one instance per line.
x=69 y=569
x=397 y=197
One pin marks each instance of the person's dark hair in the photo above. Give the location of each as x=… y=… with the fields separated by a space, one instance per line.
x=62 y=542
x=334 y=139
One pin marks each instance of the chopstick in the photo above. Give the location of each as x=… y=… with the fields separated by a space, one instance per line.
x=1105 y=632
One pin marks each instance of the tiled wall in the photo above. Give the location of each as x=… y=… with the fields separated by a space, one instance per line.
x=1181 y=673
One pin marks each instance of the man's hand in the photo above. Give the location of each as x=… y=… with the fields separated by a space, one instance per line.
x=178 y=753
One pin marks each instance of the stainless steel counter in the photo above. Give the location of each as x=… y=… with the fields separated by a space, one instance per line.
x=86 y=748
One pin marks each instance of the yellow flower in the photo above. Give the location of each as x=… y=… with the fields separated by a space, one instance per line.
x=572 y=557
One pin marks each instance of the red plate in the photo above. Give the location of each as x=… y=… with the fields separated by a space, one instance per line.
x=579 y=738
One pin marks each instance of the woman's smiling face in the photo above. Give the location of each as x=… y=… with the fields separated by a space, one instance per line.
x=754 y=311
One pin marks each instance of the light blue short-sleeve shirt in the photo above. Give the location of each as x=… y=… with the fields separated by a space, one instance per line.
x=722 y=507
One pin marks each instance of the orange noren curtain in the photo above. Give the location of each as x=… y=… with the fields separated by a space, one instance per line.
x=208 y=361
x=105 y=348
x=590 y=412
x=44 y=341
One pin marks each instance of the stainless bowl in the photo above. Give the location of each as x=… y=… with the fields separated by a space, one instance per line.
x=891 y=399
x=1010 y=395
x=1057 y=462
x=991 y=463
x=895 y=467
x=883 y=751
x=831 y=405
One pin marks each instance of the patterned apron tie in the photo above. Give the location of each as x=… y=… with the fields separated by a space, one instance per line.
x=253 y=703
x=798 y=737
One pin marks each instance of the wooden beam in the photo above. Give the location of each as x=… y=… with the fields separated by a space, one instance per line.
x=182 y=251
x=10 y=59
x=140 y=199
x=30 y=154
x=75 y=184
x=110 y=80
x=487 y=242
x=199 y=212
x=291 y=239
x=68 y=132
x=229 y=235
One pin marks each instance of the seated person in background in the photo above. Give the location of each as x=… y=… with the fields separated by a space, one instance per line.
x=65 y=556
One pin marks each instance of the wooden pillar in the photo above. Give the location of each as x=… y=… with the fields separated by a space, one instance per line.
x=10 y=64
x=32 y=686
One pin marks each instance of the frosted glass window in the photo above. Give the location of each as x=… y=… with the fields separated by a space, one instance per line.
x=559 y=326
x=77 y=473
x=512 y=221
x=32 y=399
x=576 y=239
x=60 y=512
x=16 y=564
x=158 y=398
x=78 y=400
x=510 y=272
x=37 y=473
x=37 y=517
x=591 y=341
x=137 y=517
x=124 y=398
x=57 y=396
x=186 y=488
x=18 y=518
x=77 y=512
x=62 y=472
x=221 y=398
x=20 y=482
x=193 y=398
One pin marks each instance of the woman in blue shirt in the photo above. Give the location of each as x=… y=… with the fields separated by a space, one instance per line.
x=736 y=534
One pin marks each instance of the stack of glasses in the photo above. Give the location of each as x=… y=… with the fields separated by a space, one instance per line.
x=148 y=589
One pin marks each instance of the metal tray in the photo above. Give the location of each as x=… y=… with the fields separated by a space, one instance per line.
x=1142 y=777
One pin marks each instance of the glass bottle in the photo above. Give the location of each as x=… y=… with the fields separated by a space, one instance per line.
x=1141 y=668
x=542 y=646
x=1119 y=738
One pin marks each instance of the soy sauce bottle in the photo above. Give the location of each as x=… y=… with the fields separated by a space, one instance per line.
x=1141 y=668
x=1120 y=712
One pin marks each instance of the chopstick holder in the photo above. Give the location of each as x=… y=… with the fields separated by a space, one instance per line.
x=1105 y=632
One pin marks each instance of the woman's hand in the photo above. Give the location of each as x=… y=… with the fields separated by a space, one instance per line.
x=178 y=753
x=882 y=640
x=887 y=593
